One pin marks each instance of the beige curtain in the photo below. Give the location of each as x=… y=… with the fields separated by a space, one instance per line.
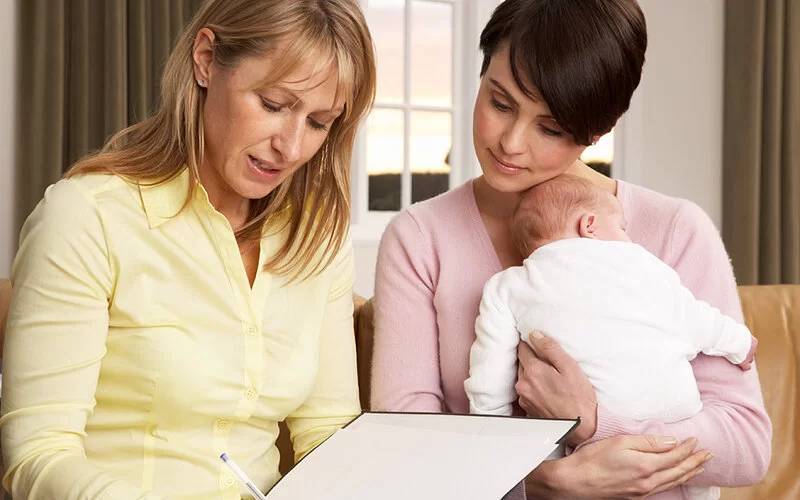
x=87 y=69
x=761 y=173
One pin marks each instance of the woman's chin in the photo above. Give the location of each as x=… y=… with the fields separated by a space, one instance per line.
x=257 y=189
x=509 y=183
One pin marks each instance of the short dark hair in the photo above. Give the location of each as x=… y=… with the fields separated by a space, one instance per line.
x=584 y=57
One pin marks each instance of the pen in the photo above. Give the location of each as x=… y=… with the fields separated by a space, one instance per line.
x=242 y=477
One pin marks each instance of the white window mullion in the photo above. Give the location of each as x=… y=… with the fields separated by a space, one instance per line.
x=405 y=178
x=359 y=181
x=459 y=128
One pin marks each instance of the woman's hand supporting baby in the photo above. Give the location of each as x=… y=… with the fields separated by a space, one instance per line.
x=618 y=467
x=552 y=385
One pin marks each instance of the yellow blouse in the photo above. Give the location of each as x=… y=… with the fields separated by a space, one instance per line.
x=137 y=352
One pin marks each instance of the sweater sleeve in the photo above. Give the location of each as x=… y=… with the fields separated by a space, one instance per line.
x=405 y=365
x=733 y=423
x=493 y=357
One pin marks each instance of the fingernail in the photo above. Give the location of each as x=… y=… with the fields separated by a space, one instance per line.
x=537 y=334
x=670 y=441
x=708 y=456
x=700 y=471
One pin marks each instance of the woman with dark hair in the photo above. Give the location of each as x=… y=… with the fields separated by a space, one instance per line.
x=556 y=75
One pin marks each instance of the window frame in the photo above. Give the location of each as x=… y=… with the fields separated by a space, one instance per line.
x=368 y=226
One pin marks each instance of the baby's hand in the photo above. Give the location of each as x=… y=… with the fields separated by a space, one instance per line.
x=747 y=363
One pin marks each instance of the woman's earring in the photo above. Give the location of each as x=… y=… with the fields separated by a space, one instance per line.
x=594 y=143
x=201 y=83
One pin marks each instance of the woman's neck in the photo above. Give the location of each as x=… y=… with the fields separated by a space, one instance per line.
x=230 y=204
x=493 y=203
x=580 y=169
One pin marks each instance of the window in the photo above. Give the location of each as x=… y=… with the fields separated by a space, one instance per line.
x=411 y=144
x=601 y=156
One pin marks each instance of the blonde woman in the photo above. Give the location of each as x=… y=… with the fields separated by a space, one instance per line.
x=179 y=293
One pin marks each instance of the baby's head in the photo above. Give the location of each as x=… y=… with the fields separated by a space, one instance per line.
x=566 y=207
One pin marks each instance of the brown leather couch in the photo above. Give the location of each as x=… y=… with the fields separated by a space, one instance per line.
x=773 y=315
x=772 y=312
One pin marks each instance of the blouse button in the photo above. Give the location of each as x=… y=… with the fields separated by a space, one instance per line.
x=229 y=481
x=251 y=330
x=251 y=394
x=223 y=425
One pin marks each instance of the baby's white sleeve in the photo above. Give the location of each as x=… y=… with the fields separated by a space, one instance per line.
x=712 y=332
x=493 y=357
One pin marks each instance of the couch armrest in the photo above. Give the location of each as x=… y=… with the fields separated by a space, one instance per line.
x=364 y=330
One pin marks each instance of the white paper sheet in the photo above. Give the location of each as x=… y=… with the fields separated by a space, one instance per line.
x=403 y=456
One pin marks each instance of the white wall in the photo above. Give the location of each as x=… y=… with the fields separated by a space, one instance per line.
x=8 y=41
x=671 y=138
x=366 y=254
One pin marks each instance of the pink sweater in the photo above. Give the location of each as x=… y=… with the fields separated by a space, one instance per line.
x=433 y=262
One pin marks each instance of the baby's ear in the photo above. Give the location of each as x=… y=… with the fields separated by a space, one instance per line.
x=586 y=226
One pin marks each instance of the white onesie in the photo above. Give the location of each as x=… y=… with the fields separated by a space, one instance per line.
x=616 y=309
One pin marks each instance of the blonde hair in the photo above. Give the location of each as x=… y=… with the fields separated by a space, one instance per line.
x=157 y=149
x=545 y=210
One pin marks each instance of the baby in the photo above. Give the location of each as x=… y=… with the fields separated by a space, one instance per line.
x=618 y=310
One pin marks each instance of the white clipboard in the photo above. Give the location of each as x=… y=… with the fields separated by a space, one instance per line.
x=405 y=456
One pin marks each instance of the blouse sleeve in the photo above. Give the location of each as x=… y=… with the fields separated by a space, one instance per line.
x=55 y=341
x=334 y=400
